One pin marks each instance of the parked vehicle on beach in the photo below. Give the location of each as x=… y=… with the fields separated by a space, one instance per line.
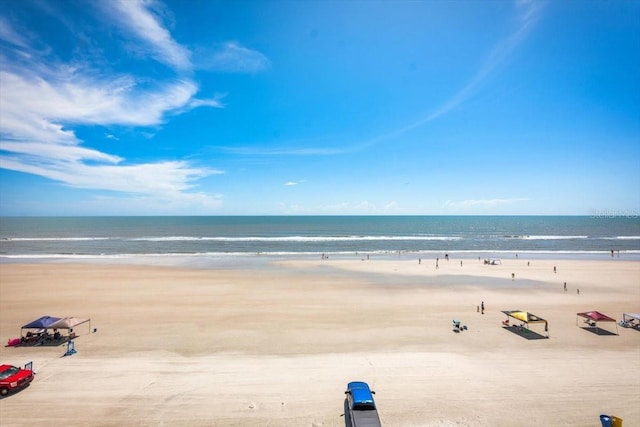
x=13 y=378
x=360 y=408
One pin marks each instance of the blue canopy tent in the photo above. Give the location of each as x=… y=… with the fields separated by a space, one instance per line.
x=43 y=322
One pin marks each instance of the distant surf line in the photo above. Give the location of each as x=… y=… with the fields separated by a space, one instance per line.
x=310 y=238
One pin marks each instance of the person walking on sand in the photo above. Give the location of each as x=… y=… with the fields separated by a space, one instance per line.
x=482 y=307
x=554 y=269
x=437 y=264
x=565 y=286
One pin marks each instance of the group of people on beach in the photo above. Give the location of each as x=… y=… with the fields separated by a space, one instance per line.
x=41 y=336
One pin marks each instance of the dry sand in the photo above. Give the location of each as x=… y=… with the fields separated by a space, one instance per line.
x=275 y=345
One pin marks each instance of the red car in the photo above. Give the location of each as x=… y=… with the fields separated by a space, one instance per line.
x=13 y=378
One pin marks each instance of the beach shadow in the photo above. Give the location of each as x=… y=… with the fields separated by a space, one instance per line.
x=347 y=416
x=598 y=331
x=46 y=343
x=12 y=392
x=525 y=333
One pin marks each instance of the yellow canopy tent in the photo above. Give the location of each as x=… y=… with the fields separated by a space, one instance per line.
x=527 y=318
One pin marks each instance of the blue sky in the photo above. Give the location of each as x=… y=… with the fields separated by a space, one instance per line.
x=143 y=107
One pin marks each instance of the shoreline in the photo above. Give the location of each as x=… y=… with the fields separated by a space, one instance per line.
x=233 y=260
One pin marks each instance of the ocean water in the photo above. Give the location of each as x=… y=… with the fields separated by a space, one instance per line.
x=217 y=236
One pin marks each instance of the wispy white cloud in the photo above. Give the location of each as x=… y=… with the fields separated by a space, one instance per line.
x=69 y=96
x=215 y=102
x=321 y=146
x=8 y=34
x=293 y=183
x=141 y=17
x=36 y=142
x=43 y=99
x=527 y=13
x=283 y=151
x=162 y=178
x=231 y=57
x=48 y=153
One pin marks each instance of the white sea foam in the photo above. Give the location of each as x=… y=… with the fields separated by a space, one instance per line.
x=622 y=238
x=54 y=239
x=276 y=254
x=198 y=238
x=553 y=237
x=298 y=238
x=303 y=238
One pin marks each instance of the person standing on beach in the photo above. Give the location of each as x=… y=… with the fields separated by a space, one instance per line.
x=565 y=286
x=554 y=269
x=482 y=307
x=437 y=264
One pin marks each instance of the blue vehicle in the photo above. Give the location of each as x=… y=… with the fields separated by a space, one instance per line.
x=360 y=408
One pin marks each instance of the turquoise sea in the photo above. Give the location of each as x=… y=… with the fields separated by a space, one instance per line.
x=38 y=238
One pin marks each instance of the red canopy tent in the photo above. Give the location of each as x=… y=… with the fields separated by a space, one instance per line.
x=593 y=317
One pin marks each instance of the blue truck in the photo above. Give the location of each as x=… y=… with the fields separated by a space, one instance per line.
x=360 y=408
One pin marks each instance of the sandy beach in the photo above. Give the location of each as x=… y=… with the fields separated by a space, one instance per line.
x=276 y=344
